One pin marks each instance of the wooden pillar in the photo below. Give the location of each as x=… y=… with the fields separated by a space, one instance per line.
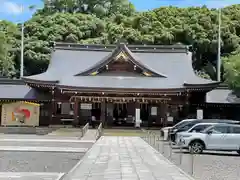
x=52 y=108
x=187 y=105
x=159 y=114
x=103 y=112
x=76 y=112
x=164 y=111
x=137 y=105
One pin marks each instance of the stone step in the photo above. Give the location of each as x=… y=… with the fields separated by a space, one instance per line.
x=26 y=130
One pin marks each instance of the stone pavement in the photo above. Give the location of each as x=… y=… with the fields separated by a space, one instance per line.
x=124 y=158
x=44 y=145
x=90 y=135
x=30 y=176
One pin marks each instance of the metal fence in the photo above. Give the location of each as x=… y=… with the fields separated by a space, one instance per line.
x=85 y=129
x=99 y=131
x=166 y=149
x=209 y=165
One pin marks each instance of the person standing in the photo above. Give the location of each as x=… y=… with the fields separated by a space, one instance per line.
x=93 y=121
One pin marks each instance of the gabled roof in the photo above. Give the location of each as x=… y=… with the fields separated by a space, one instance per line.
x=172 y=66
x=120 y=50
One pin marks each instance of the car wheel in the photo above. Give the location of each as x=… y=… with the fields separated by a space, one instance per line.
x=238 y=152
x=196 y=147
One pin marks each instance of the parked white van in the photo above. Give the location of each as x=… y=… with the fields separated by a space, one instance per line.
x=218 y=137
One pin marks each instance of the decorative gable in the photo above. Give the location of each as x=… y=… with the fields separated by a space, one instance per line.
x=121 y=60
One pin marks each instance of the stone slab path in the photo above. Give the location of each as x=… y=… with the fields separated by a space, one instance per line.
x=124 y=158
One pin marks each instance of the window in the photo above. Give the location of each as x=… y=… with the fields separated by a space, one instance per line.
x=188 y=125
x=220 y=129
x=65 y=108
x=199 y=128
x=236 y=130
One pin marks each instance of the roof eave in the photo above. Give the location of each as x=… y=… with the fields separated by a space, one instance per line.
x=136 y=90
x=35 y=81
x=207 y=87
x=201 y=85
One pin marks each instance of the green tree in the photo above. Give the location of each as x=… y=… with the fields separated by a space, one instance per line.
x=107 y=21
x=232 y=72
x=7 y=42
x=98 y=7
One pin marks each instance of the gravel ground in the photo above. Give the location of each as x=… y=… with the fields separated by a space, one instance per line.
x=210 y=165
x=37 y=161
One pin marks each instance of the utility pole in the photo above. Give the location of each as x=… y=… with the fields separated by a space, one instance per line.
x=22 y=42
x=22 y=51
x=219 y=45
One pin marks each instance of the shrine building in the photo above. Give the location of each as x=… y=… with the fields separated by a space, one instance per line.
x=110 y=82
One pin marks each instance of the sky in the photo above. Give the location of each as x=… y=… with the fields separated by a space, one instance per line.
x=12 y=10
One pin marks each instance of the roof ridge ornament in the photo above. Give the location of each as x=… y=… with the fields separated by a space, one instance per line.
x=122 y=41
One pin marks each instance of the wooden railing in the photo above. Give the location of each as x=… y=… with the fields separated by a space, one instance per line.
x=85 y=129
x=99 y=131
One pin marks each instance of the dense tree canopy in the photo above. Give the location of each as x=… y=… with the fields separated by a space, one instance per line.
x=100 y=8
x=106 y=21
x=232 y=72
x=8 y=47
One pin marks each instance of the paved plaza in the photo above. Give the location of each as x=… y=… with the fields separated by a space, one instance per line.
x=27 y=157
x=32 y=157
x=31 y=176
x=124 y=158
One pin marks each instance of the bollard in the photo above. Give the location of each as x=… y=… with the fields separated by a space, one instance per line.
x=151 y=139
x=148 y=138
x=163 y=147
x=192 y=164
x=170 y=152
x=154 y=139
x=181 y=154
x=144 y=137
x=170 y=145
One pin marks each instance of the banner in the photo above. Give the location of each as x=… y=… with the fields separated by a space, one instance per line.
x=20 y=114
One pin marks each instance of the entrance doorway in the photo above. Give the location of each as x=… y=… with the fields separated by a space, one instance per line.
x=121 y=114
x=144 y=114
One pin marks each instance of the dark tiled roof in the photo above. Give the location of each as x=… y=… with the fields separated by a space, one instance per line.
x=16 y=89
x=222 y=96
x=70 y=59
x=120 y=82
x=133 y=48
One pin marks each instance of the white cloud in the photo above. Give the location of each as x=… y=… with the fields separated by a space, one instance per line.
x=10 y=7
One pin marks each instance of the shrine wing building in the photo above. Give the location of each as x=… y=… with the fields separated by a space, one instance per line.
x=112 y=81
